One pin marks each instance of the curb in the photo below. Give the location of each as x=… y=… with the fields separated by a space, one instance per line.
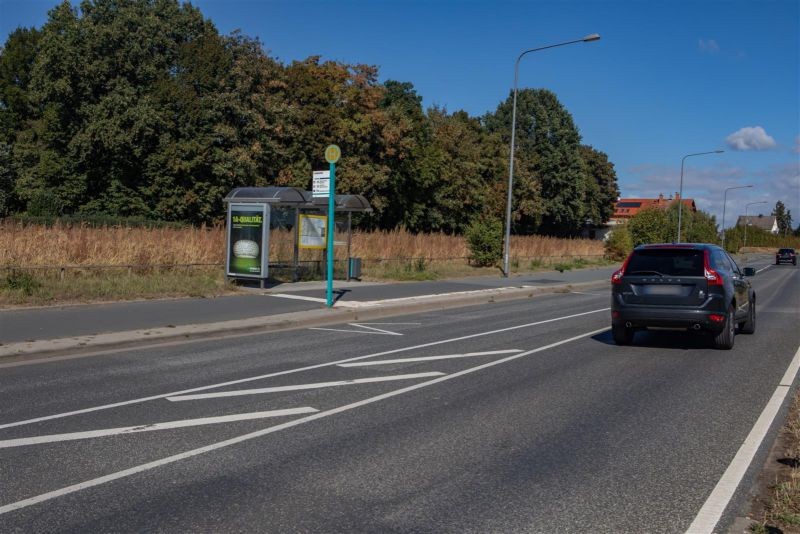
x=25 y=350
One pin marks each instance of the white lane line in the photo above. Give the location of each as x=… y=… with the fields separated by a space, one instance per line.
x=291 y=371
x=708 y=516
x=168 y=425
x=429 y=358
x=289 y=424
x=377 y=330
x=350 y=331
x=389 y=324
x=370 y=330
x=590 y=294
x=763 y=269
x=299 y=387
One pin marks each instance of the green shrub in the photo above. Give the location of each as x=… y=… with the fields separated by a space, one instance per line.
x=21 y=281
x=45 y=203
x=485 y=241
x=619 y=244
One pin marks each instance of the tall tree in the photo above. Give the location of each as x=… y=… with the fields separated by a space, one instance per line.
x=16 y=63
x=602 y=190
x=551 y=180
x=464 y=162
x=783 y=217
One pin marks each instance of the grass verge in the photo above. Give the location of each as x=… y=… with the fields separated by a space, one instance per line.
x=29 y=288
x=781 y=507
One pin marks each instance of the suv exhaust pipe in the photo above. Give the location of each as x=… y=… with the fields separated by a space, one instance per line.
x=696 y=326
x=628 y=324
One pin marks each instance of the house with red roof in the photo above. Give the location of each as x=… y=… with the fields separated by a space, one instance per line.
x=626 y=208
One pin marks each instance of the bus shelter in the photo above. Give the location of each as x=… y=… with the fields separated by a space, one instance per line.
x=252 y=211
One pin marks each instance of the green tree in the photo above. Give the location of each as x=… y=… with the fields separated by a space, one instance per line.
x=650 y=225
x=619 y=243
x=783 y=218
x=16 y=63
x=462 y=161
x=602 y=191
x=6 y=179
x=485 y=240
x=551 y=179
x=696 y=226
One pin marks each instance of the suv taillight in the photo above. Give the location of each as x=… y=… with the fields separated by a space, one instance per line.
x=616 y=278
x=713 y=278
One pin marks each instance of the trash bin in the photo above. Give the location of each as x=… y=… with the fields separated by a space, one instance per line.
x=354 y=268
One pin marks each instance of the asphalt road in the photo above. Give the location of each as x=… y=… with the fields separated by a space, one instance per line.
x=507 y=417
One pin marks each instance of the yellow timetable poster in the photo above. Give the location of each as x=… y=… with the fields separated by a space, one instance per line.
x=312 y=231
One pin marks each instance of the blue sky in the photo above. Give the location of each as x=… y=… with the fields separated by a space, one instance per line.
x=666 y=79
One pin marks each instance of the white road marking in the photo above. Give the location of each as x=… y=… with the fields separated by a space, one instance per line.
x=351 y=331
x=389 y=324
x=299 y=387
x=291 y=371
x=289 y=424
x=708 y=516
x=371 y=329
x=590 y=294
x=373 y=303
x=429 y=358
x=763 y=269
x=339 y=304
x=168 y=425
x=297 y=297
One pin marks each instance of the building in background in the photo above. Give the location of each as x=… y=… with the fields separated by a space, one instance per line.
x=627 y=208
x=768 y=223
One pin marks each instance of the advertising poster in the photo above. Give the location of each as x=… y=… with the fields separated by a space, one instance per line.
x=248 y=240
x=312 y=231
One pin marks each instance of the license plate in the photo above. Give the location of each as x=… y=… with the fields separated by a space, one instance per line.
x=662 y=290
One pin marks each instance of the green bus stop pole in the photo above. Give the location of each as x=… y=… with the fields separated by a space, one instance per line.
x=331 y=228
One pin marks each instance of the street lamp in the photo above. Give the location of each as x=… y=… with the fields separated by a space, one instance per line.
x=680 y=194
x=724 y=201
x=588 y=38
x=745 y=219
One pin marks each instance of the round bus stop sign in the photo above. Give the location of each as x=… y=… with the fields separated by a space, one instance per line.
x=332 y=153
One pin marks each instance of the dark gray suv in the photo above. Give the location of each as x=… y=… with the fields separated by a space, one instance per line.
x=682 y=286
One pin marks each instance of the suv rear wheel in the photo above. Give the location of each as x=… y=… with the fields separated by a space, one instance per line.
x=724 y=340
x=749 y=325
x=622 y=335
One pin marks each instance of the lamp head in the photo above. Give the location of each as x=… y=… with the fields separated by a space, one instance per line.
x=591 y=37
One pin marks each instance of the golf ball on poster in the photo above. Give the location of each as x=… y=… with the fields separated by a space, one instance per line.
x=245 y=248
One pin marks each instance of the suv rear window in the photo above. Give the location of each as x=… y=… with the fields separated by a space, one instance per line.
x=667 y=262
x=786 y=251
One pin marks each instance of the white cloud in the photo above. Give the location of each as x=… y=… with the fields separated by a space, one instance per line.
x=708 y=46
x=750 y=138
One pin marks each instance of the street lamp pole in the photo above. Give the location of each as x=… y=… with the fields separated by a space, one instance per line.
x=588 y=38
x=680 y=193
x=745 y=219
x=724 y=203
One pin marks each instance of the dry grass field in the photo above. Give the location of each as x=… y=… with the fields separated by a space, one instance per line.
x=78 y=263
x=68 y=245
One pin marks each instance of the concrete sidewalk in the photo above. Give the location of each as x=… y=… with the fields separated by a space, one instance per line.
x=25 y=332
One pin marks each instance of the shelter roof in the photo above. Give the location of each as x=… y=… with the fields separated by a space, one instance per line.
x=296 y=197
